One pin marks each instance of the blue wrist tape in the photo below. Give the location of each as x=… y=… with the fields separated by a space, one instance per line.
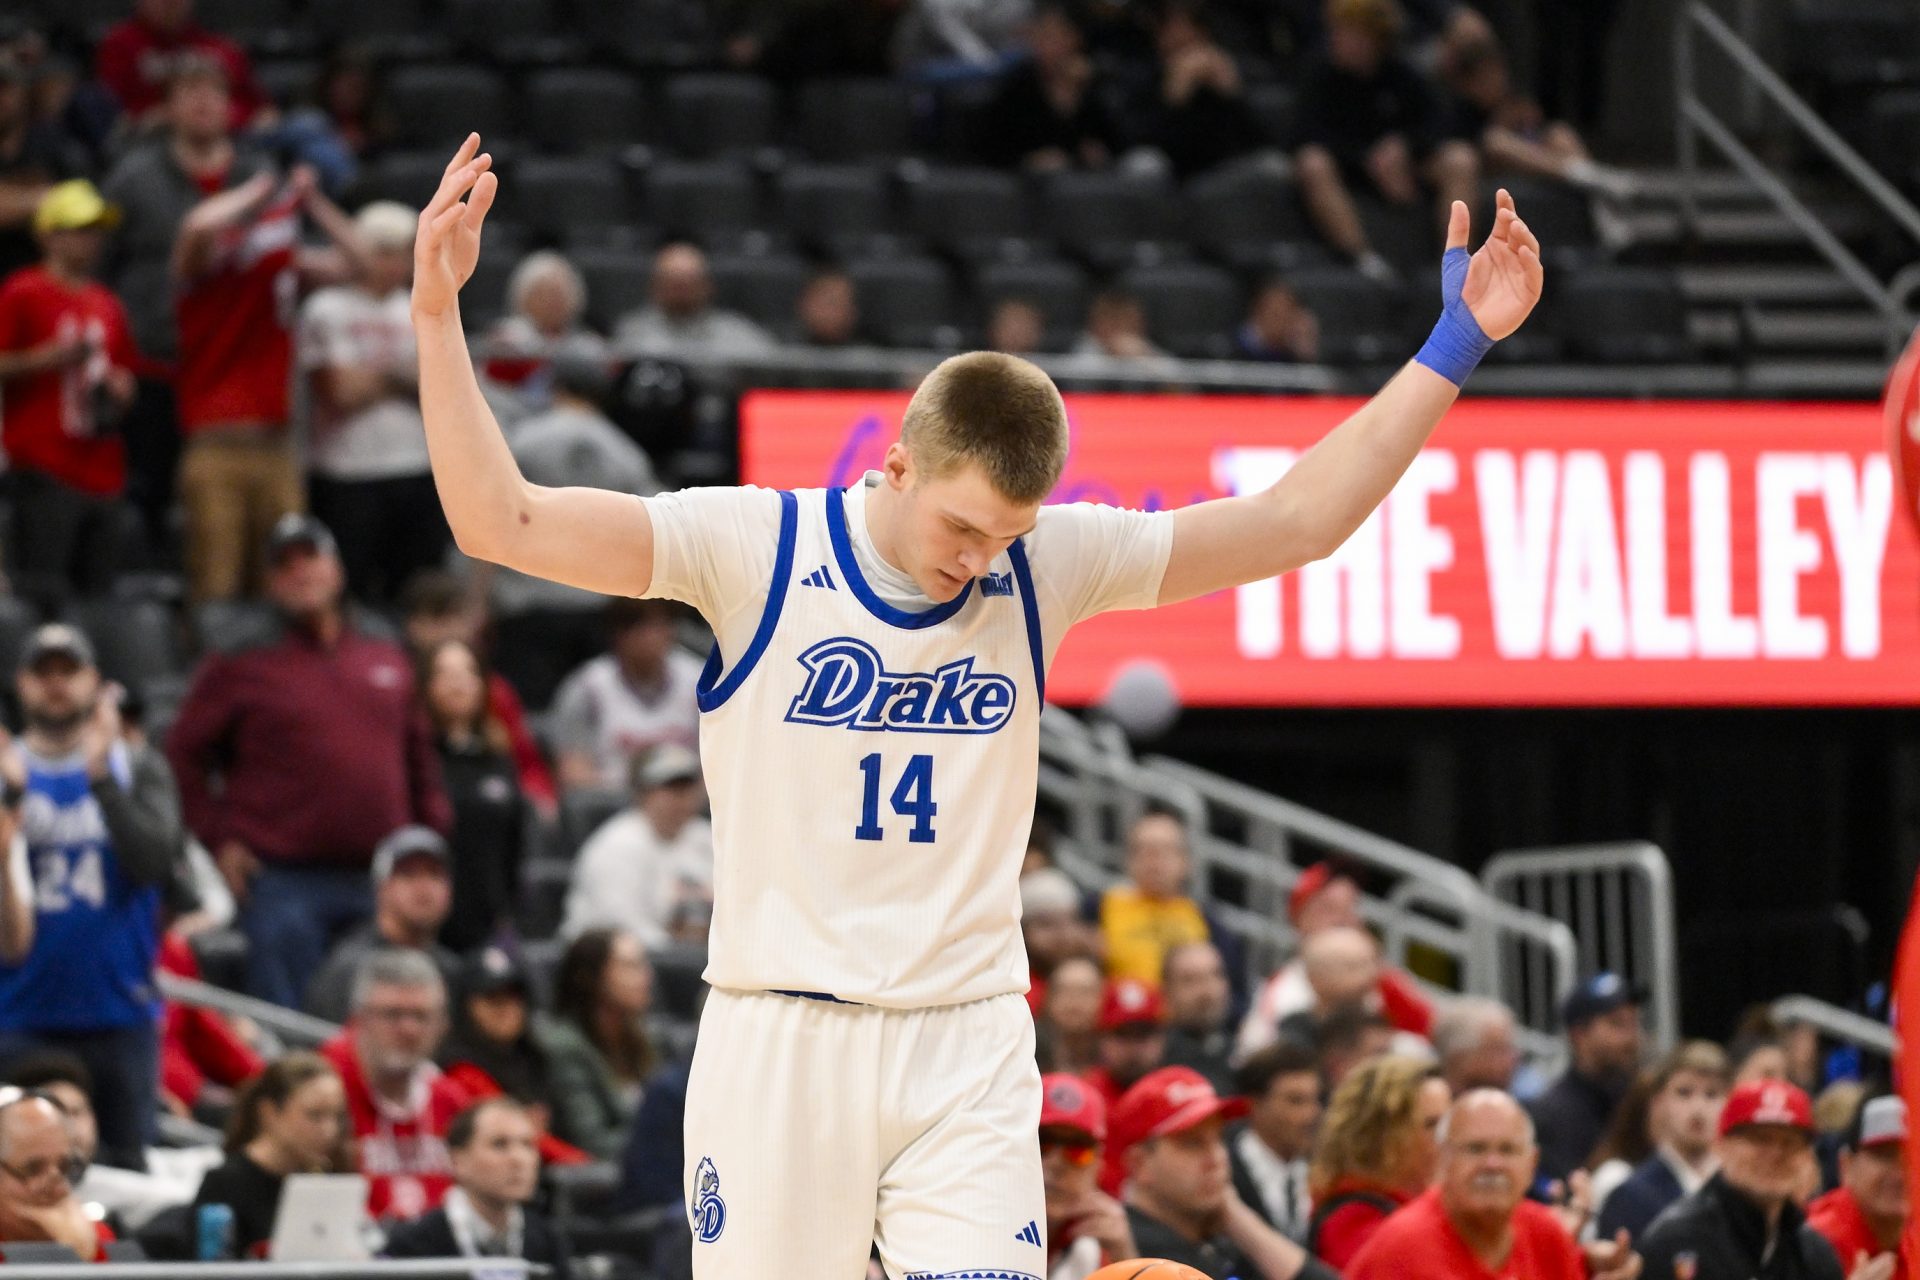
x=1457 y=343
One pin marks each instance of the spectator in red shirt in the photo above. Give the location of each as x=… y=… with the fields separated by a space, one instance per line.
x=67 y=361
x=136 y=57
x=1086 y=1228
x=203 y=1058
x=1376 y=1151
x=399 y=1103
x=1866 y=1215
x=237 y=265
x=1477 y=1223
x=1325 y=898
x=320 y=752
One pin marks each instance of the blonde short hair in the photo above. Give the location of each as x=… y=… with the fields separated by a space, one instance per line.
x=997 y=411
x=1371 y=1125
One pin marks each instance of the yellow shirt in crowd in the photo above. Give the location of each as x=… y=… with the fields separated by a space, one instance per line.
x=1140 y=931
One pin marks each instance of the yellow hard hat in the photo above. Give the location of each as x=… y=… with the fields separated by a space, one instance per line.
x=73 y=206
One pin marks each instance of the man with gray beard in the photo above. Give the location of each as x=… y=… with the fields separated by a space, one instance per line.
x=1476 y=1220
x=100 y=820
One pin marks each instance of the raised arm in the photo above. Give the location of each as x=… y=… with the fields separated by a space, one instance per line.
x=193 y=247
x=1318 y=504
x=589 y=538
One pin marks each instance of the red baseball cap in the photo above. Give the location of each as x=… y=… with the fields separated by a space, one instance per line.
x=1066 y=1102
x=1170 y=1100
x=1128 y=1001
x=1311 y=881
x=1775 y=1102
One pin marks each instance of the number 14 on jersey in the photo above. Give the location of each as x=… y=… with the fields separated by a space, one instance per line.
x=912 y=798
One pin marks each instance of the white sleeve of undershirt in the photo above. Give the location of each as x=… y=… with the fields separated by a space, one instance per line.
x=714 y=549
x=1088 y=559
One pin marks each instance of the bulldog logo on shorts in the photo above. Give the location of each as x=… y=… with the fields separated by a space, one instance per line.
x=709 y=1210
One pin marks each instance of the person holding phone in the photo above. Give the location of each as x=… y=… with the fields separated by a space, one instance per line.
x=100 y=821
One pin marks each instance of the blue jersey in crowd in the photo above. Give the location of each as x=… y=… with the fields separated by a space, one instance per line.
x=96 y=932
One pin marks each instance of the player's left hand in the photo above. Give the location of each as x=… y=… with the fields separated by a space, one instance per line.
x=1504 y=277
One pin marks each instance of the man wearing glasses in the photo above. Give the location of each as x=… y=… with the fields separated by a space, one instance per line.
x=399 y=1102
x=1086 y=1228
x=38 y=1170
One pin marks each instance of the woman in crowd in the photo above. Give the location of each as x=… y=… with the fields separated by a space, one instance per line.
x=483 y=784
x=1376 y=1151
x=1628 y=1141
x=597 y=1041
x=492 y=1049
x=291 y=1118
x=1068 y=1029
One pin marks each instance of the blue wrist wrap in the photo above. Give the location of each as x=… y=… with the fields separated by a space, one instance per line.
x=1457 y=343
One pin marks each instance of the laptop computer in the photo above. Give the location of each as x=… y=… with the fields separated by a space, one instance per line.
x=322 y=1218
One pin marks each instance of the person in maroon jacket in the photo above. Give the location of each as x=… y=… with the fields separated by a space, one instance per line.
x=136 y=58
x=320 y=752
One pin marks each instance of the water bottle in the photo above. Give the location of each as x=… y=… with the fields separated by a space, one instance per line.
x=216 y=1233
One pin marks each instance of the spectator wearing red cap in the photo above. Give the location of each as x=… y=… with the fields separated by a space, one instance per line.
x=1602 y=1021
x=1169 y=1132
x=1152 y=912
x=1086 y=1228
x=1744 y=1223
x=1133 y=1037
x=1476 y=1222
x=1324 y=898
x=1866 y=1215
x=1067 y=1033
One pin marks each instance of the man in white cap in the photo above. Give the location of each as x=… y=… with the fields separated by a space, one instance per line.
x=649 y=869
x=1866 y=1215
x=371 y=482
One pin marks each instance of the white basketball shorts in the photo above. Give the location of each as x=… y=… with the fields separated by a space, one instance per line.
x=817 y=1129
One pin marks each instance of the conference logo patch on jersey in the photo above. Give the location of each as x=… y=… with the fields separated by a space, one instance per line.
x=709 y=1210
x=848 y=685
x=997 y=584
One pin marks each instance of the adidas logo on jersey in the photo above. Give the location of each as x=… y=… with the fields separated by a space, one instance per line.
x=847 y=684
x=820 y=578
x=1030 y=1234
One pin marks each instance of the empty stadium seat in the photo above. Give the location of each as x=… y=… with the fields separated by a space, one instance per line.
x=763 y=286
x=544 y=883
x=1361 y=320
x=616 y=281
x=972 y=213
x=710 y=200
x=1276 y=105
x=289 y=82
x=1403 y=234
x=18 y=618
x=133 y=639
x=1623 y=315
x=1057 y=289
x=557 y=195
x=411 y=177
x=1248 y=216
x=513 y=33
x=710 y=115
x=1560 y=215
x=585 y=109
x=435 y=107
x=1892 y=124
x=1192 y=308
x=1105 y=218
x=583 y=810
x=652 y=34
x=1844 y=43
x=840 y=209
x=221 y=626
x=262 y=26
x=401 y=30
x=905 y=301
x=855 y=119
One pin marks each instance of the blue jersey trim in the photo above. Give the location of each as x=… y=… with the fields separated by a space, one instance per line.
x=850 y=570
x=712 y=692
x=1017 y=552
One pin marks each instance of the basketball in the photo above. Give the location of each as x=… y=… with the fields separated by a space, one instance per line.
x=1148 y=1269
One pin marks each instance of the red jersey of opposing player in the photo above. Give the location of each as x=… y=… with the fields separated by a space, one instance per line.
x=236 y=324
x=48 y=424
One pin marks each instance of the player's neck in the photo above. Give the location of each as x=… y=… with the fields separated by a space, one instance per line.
x=882 y=515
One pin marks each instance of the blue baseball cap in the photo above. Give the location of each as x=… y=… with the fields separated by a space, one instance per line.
x=1597 y=996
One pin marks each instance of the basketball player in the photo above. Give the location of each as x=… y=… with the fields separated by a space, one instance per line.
x=871 y=721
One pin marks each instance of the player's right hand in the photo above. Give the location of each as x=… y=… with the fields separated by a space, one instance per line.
x=447 y=244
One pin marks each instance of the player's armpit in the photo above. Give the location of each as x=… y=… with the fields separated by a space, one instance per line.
x=594 y=539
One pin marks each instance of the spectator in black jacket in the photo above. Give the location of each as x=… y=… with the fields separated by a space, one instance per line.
x=483 y=785
x=1602 y=1020
x=291 y=1118
x=1745 y=1223
x=1200 y=1025
x=1272 y=1153
x=1689 y=1089
x=496 y=1169
x=1051 y=112
x=1367 y=117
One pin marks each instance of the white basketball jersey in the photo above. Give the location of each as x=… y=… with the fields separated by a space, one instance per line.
x=872 y=776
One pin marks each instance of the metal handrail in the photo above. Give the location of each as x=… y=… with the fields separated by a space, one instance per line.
x=289 y=1024
x=1581 y=886
x=1694 y=118
x=1841 y=1024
